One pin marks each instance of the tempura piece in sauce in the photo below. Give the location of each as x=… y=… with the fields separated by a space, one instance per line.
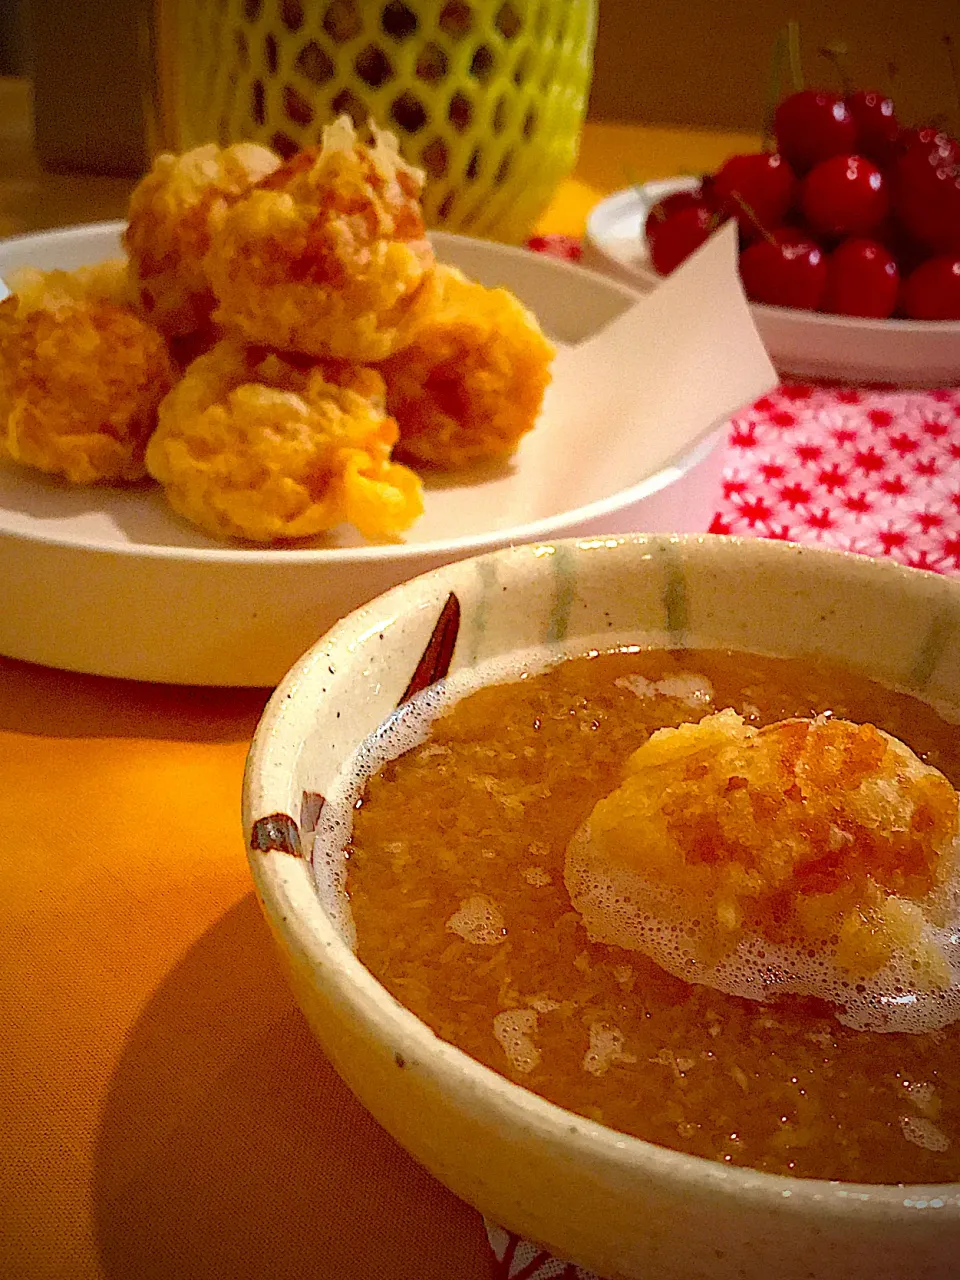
x=472 y=382
x=812 y=856
x=81 y=375
x=327 y=256
x=175 y=211
x=256 y=445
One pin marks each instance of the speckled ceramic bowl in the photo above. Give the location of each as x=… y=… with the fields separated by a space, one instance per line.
x=627 y=1209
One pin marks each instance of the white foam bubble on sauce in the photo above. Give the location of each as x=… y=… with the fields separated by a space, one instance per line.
x=688 y=687
x=639 y=685
x=924 y=1133
x=606 y=1049
x=543 y=1003
x=405 y=728
x=609 y=898
x=694 y=690
x=479 y=920
x=513 y=1030
x=330 y=868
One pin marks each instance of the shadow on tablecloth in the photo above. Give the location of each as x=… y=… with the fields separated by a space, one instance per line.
x=228 y=1146
x=39 y=701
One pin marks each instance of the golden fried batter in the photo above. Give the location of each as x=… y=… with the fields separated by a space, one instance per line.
x=174 y=212
x=472 y=382
x=259 y=446
x=328 y=255
x=80 y=377
x=107 y=281
x=822 y=835
x=323 y=261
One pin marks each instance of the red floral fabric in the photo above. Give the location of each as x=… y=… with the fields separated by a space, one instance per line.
x=518 y=1259
x=876 y=472
x=556 y=246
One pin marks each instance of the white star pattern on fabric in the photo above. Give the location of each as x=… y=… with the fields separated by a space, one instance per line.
x=875 y=472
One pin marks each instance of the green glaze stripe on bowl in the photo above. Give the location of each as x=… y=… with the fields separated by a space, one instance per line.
x=564 y=579
x=944 y=631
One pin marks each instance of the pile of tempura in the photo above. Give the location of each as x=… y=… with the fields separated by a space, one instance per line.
x=279 y=349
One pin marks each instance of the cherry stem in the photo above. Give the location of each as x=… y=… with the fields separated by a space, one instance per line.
x=633 y=180
x=773 y=90
x=836 y=53
x=893 y=75
x=954 y=71
x=793 y=48
x=753 y=218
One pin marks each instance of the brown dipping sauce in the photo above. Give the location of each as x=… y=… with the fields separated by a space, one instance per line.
x=455 y=881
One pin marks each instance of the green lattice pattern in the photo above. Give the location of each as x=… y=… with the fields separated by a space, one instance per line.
x=487 y=96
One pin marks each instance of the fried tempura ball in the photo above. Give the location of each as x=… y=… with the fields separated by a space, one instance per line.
x=80 y=377
x=107 y=281
x=327 y=256
x=829 y=838
x=259 y=446
x=472 y=382
x=174 y=212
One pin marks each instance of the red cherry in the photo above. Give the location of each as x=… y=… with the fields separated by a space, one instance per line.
x=707 y=193
x=787 y=270
x=877 y=124
x=557 y=246
x=862 y=280
x=921 y=155
x=811 y=126
x=943 y=212
x=926 y=190
x=928 y=138
x=932 y=292
x=756 y=189
x=845 y=196
x=679 y=235
x=904 y=250
x=666 y=208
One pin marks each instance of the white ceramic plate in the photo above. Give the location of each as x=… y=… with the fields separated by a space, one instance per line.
x=111 y=582
x=803 y=344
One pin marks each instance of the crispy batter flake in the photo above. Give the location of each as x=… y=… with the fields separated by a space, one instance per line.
x=175 y=212
x=260 y=446
x=328 y=255
x=471 y=384
x=811 y=833
x=80 y=377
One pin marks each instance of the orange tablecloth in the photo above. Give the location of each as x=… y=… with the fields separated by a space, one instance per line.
x=164 y=1111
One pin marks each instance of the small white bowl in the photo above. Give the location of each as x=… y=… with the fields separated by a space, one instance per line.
x=802 y=344
x=625 y=1208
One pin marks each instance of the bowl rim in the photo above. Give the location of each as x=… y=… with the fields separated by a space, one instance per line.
x=287 y=885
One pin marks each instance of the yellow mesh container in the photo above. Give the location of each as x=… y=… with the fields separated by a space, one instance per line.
x=487 y=96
